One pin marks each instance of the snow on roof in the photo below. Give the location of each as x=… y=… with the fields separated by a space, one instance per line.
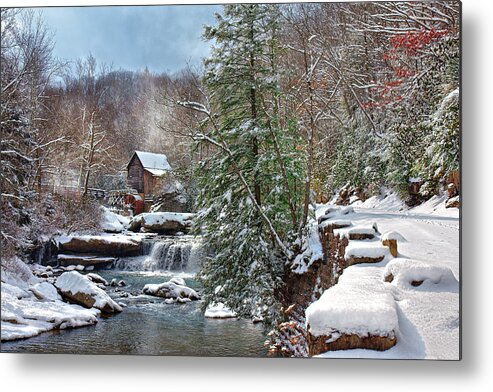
x=156 y=172
x=151 y=160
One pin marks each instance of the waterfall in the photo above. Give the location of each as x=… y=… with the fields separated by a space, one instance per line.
x=167 y=254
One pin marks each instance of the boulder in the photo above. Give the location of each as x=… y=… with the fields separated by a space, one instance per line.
x=161 y=222
x=343 y=198
x=170 y=290
x=408 y=273
x=105 y=245
x=79 y=289
x=171 y=196
x=45 y=291
x=97 y=278
x=112 y=222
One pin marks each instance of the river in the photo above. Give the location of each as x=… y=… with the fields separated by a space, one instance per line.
x=149 y=326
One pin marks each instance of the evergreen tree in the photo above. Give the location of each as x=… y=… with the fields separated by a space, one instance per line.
x=246 y=215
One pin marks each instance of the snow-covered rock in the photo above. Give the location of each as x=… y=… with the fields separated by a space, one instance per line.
x=392 y=235
x=170 y=290
x=105 y=245
x=45 y=291
x=97 y=278
x=358 y=312
x=113 y=223
x=162 y=222
x=219 y=310
x=358 y=252
x=78 y=288
x=357 y=232
x=24 y=316
x=407 y=273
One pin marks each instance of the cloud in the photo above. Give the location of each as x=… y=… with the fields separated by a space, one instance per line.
x=163 y=38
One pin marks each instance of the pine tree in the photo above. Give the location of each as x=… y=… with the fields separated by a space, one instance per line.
x=247 y=200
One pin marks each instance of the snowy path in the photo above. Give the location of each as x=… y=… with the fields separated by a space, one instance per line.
x=429 y=314
x=428 y=237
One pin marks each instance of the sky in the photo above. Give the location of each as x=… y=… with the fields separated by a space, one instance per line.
x=162 y=38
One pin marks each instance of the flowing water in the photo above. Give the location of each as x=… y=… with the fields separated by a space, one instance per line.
x=149 y=326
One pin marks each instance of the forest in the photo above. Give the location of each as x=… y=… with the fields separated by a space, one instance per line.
x=298 y=105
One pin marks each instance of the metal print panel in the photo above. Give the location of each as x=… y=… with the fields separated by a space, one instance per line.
x=275 y=180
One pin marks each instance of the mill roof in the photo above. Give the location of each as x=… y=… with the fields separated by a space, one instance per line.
x=156 y=164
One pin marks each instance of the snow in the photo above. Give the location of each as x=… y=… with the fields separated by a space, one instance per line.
x=218 y=310
x=45 y=291
x=107 y=238
x=335 y=222
x=113 y=223
x=436 y=206
x=170 y=289
x=158 y=218
x=153 y=161
x=345 y=232
x=23 y=315
x=17 y=273
x=97 y=278
x=406 y=271
x=387 y=200
x=359 y=304
x=75 y=282
x=311 y=250
x=428 y=314
x=14 y=291
x=360 y=249
x=392 y=235
x=178 y=280
x=156 y=172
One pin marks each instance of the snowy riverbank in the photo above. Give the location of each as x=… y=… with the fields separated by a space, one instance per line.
x=422 y=283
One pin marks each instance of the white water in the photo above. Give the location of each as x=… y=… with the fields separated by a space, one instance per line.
x=167 y=254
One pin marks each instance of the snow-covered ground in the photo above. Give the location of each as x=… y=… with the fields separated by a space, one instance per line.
x=428 y=314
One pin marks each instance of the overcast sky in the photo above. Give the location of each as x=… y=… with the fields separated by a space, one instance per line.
x=163 y=38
